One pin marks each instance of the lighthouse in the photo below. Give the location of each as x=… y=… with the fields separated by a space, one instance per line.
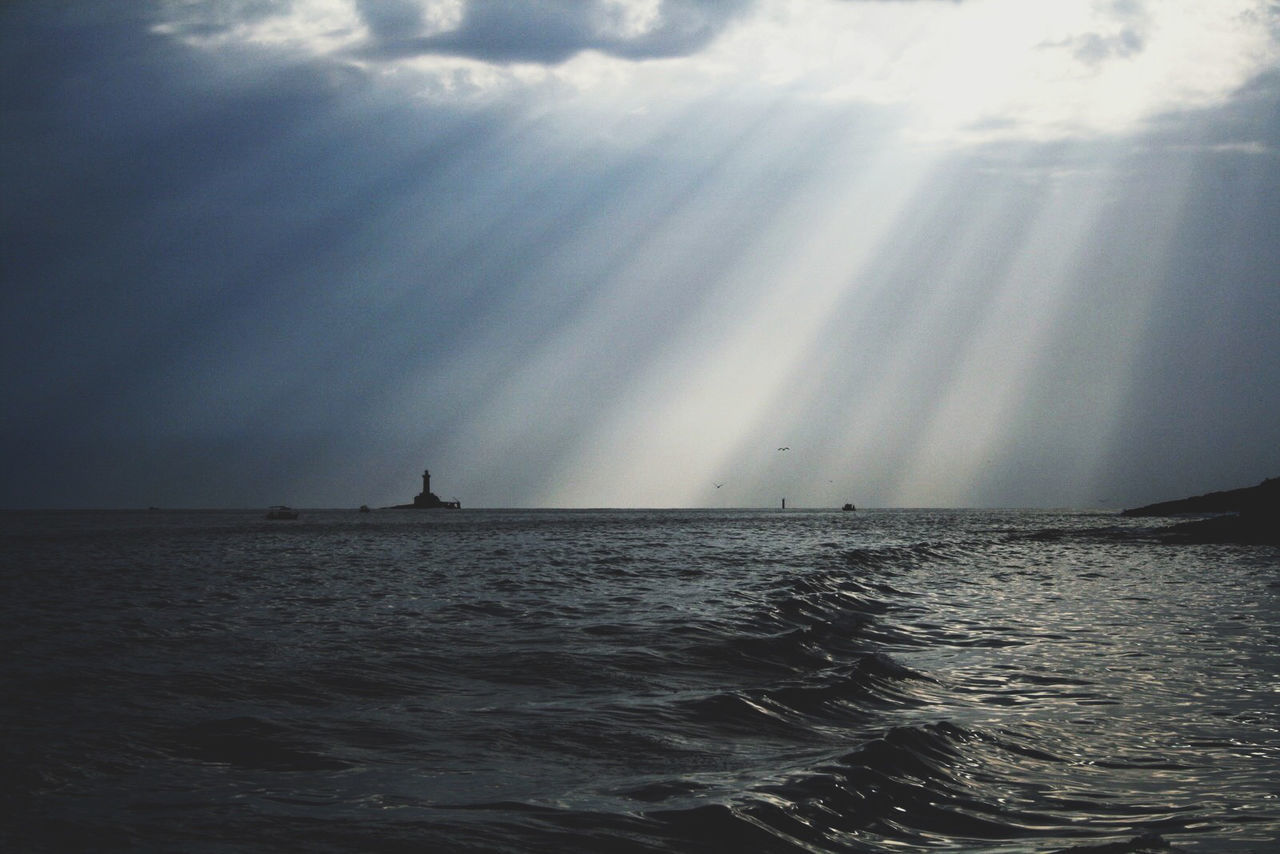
x=428 y=500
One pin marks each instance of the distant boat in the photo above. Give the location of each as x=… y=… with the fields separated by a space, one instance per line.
x=364 y=508
x=279 y=511
x=848 y=507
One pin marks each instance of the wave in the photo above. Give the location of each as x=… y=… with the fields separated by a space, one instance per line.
x=919 y=786
x=903 y=556
x=923 y=786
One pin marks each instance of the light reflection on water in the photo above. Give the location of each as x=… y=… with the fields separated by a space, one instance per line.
x=1147 y=676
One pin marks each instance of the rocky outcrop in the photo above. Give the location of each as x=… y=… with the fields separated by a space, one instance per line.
x=1250 y=498
x=1248 y=515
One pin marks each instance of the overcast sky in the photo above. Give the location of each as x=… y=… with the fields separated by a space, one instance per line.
x=586 y=253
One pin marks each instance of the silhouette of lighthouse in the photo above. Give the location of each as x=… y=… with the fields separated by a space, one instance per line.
x=428 y=499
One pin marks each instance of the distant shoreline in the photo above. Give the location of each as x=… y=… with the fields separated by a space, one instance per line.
x=1250 y=515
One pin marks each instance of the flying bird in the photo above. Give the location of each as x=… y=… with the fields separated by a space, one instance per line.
x=718 y=485
x=785 y=449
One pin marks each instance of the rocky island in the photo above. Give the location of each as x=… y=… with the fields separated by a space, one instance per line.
x=428 y=500
x=1247 y=515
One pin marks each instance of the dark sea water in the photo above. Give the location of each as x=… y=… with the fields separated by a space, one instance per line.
x=539 y=681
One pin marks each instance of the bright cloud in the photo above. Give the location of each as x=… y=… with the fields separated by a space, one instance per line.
x=965 y=71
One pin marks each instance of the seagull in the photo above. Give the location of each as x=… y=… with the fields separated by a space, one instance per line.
x=785 y=449
x=718 y=485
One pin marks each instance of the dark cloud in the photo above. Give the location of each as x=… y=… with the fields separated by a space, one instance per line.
x=1097 y=48
x=391 y=18
x=551 y=31
x=498 y=31
x=1094 y=48
x=1248 y=121
x=155 y=211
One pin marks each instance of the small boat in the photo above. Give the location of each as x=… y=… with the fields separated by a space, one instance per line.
x=848 y=507
x=279 y=511
x=364 y=508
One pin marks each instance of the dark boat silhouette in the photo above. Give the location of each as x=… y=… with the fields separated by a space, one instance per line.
x=280 y=511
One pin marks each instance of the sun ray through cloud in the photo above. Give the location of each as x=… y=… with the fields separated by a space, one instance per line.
x=611 y=252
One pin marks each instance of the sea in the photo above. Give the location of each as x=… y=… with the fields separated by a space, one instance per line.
x=634 y=681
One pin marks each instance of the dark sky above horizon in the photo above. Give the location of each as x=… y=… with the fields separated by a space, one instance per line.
x=615 y=252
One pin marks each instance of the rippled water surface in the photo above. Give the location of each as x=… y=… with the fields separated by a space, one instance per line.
x=633 y=681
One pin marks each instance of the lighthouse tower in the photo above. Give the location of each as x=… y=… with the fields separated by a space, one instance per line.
x=428 y=499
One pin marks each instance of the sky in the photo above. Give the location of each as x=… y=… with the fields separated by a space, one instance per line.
x=619 y=253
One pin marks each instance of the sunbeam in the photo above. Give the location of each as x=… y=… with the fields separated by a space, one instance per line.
x=614 y=253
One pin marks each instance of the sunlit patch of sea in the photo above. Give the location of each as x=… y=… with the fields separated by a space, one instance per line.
x=634 y=681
